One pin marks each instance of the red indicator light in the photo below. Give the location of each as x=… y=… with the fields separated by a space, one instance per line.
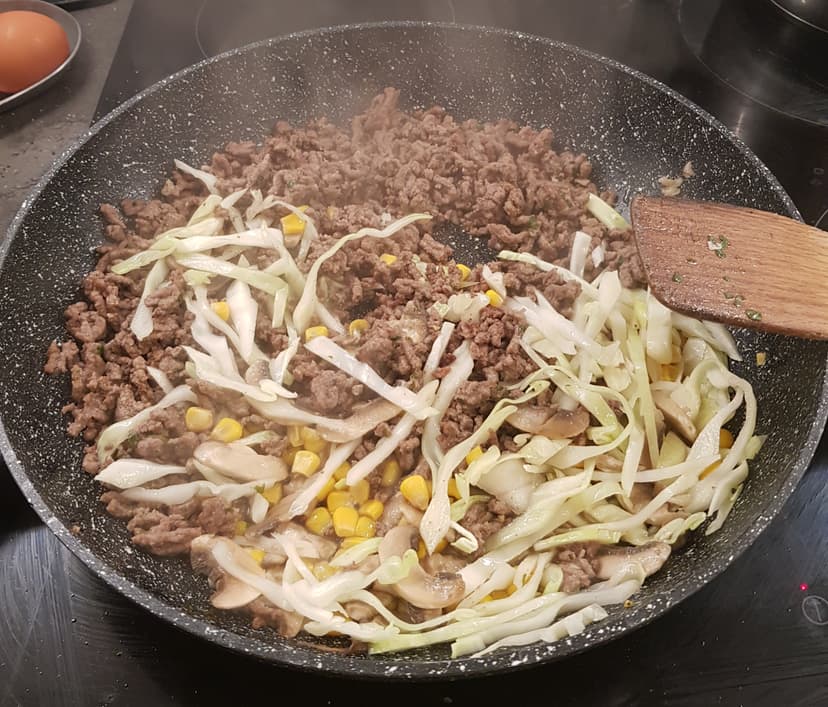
x=803 y=587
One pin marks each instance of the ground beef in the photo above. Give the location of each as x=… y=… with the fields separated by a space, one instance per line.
x=500 y=182
x=576 y=561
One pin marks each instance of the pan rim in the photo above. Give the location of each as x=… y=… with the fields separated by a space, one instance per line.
x=309 y=659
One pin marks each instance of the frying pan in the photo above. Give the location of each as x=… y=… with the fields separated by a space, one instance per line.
x=634 y=129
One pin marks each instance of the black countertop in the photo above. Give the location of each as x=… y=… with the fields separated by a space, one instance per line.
x=66 y=638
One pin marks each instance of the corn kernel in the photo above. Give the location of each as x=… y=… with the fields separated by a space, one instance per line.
x=256 y=553
x=323 y=571
x=342 y=471
x=222 y=309
x=312 y=440
x=325 y=490
x=241 y=527
x=358 y=326
x=360 y=492
x=499 y=594
x=494 y=298
x=709 y=470
x=273 y=495
x=198 y=419
x=373 y=509
x=319 y=521
x=465 y=271
x=314 y=331
x=227 y=430
x=365 y=527
x=440 y=546
x=761 y=358
x=725 y=439
x=348 y=543
x=388 y=259
x=511 y=589
x=453 y=491
x=415 y=490
x=421 y=550
x=391 y=472
x=289 y=456
x=337 y=499
x=486 y=599
x=474 y=454
x=345 y=520
x=294 y=436
x=305 y=462
x=292 y=225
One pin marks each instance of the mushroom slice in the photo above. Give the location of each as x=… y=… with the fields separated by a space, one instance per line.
x=651 y=557
x=560 y=424
x=231 y=593
x=239 y=462
x=675 y=416
x=419 y=588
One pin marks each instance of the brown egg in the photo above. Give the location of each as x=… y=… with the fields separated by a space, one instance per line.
x=32 y=46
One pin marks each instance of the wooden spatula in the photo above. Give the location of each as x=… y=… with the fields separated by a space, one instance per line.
x=734 y=265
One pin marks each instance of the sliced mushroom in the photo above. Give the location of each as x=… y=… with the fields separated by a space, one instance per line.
x=676 y=417
x=396 y=510
x=419 y=588
x=256 y=372
x=651 y=557
x=231 y=593
x=664 y=514
x=510 y=483
x=307 y=544
x=560 y=424
x=240 y=462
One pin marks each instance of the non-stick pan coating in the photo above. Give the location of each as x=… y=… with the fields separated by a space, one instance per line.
x=633 y=128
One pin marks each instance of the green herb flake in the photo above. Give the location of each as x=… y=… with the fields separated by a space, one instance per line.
x=754 y=315
x=718 y=245
x=677 y=277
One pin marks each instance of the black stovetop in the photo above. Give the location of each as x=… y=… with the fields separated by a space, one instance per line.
x=757 y=635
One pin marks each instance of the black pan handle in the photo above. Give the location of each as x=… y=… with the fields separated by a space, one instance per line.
x=77 y=4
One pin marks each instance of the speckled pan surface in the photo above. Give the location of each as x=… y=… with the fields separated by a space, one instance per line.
x=634 y=130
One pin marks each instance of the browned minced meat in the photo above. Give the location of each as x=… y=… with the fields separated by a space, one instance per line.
x=498 y=181
x=576 y=562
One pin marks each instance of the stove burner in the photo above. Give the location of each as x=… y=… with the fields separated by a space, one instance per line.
x=763 y=51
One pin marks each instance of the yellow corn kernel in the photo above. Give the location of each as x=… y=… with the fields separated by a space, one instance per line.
x=373 y=509
x=365 y=527
x=669 y=371
x=273 y=495
x=440 y=546
x=348 y=543
x=342 y=471
x=227 y=430
x=358 y=326
x=292 y=225
x=391 y=472
x=289 y=456
x=475 y=453
x=325 y=490
x=337 y=499
x=323 y=570
x=360 y=492
x=761 y=358
x=319 y=521
x=421 y=550
x=486 y=599
x=198 y=419
x=511 y=589
x=709 y=470
x=453 y=491
x=241 y=527
x=388 y=259
x=415 y=490
x=312 y=440
x=314 y=331
x=465 y=271
x=725 y=439
x=494 y=299
x=499 y=594
x=256 y=553
x=305 y=462
x=222 y=309
x=345 y=520
x=294 y=436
